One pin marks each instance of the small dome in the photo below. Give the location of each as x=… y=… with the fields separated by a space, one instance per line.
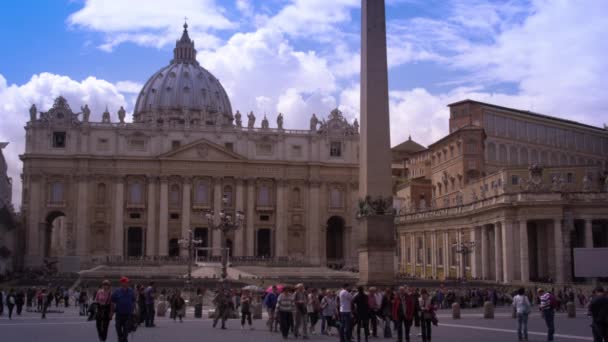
x=182 y=85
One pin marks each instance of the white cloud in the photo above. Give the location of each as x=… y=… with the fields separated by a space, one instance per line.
x=297 y=108
x=129 y=87
x=41 y=90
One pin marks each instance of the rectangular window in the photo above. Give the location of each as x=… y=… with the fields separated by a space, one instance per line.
x=56 y=192
x=175 y=144
x=296 y=151
x=174 y=216
x=335 y=149
x=229 y=146
x=59 y=139
x=264 y=148
x=201 y=196
x=264 y=196
x=569 y=178
x=336 y=198
x=103 y=144
x=514 y=180
x=137 y=144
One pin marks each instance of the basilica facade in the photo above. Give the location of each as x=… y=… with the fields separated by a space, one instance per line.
x=95 y=191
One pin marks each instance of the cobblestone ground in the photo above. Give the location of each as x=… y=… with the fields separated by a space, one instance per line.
x=69 y=326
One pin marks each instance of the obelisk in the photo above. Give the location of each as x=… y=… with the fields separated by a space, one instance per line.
x=376 y=228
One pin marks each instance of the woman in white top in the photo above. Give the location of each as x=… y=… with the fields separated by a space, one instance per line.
x=522 y=306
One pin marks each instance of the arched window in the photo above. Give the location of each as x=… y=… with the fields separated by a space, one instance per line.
x=336 y=198
x=101 y=193
x=296 y=198
x=228 y=195
x=56 y=192
x=201 y=195
x=174 y=195
x=136 y=193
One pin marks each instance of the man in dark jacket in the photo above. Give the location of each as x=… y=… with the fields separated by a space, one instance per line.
x=598 y=309
x=362 y=311
x=405 y=309
x=124 y=304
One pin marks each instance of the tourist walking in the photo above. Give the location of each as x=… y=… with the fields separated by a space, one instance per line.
x=405 y=307
x=428 y=315
x=103 y=314
x=19 y=301
x=246 y=309
x=329 y=307
x=375 y=302
x=522 y=306
x=300 y=299
x=598 y=309
x=10 y=302
x=47 y=300
x=178 y=307
x=270 y=302
x=285 y=307
x=547 y=307
x=345 y=299
x=386 y=310
x=222 y=303
x=82 y=302
x=124 y=306
x=361 y=312
x=149 y=296
x=313 y=307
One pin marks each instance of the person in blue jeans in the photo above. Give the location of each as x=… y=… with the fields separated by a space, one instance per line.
x=346 y=300
x=547 y=309
x=124 y=304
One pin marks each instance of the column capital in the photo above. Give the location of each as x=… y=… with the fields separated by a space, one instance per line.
x=187 y=180
x=119 y=179
x=217 y=179
x=152 y=179
x=314 y=183
x=164 y=179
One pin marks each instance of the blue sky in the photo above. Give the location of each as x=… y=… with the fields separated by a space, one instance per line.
x=301 y=57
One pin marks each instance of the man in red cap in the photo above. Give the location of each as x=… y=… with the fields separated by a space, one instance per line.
x=124 y=305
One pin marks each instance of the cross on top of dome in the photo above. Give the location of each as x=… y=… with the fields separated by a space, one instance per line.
x=184 y=51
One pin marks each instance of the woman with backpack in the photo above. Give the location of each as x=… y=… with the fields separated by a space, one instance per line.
x=522 y=306
x=103 y=314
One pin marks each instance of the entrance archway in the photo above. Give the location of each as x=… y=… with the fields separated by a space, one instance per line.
x=54 y=235
x=263 y=238
x=135 y=242
x=202 y=234
x=173 y=248
x=334 y=245
x=229 y=246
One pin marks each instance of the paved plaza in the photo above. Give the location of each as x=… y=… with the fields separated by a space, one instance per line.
x=69 y=326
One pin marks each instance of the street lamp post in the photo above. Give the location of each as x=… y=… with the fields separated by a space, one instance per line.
x=225 y=224
x=464 y=248
x=190 y=242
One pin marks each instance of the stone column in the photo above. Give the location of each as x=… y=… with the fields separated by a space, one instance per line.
x=281 y=227
x=476 y=256
x=151 y=239
x=186 y=210
x=524 y=251
x=413 y=252
x=460 y=256
x=377 y=232
x=216 y=240
x=119 y=205
x=588 y=233
x=314 y=227
x=82 y=226
x=425 y=260
x=507 y=251
x=559 y=251
x=34 y=221
x=240 y=206
x=434 y=254
x=485 y=253
x=163 y=217
x=250 y=217
x=497 y=252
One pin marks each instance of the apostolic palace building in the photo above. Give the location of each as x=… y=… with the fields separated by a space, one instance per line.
x=93 y=190
x=504 y=197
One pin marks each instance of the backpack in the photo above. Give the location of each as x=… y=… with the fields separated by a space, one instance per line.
x=553 y=301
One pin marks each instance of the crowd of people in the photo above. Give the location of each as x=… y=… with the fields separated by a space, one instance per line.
x=297 y=311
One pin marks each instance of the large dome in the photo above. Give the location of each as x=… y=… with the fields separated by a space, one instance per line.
x=183 y=90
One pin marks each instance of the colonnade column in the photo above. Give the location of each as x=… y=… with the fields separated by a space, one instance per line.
x=314 y=228
x=413 y=253
x=216 y=242
x=82 y=227
x=497 y=252
x=588 y=233
x=461 y=263
x=34 y=219
x=434 y=253
x=559 y=251
x=119 y=205
x=280 y=228
x=446 y=254
x=485 y=253
x=250 y=234
x=524 y=251
x=507 y=250
x=476 y=255
x=163 y=217
x=151 y=217
x=186 y=210
x=424 y=256
x=239 y=206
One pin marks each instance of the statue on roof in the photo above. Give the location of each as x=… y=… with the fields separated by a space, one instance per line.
x=121 y=114
x=86 y=113
x=239 y=121
x=356 y=125
x=33 y=113
x=105 y=117
x=280 y=121
x=265 y=124
x=250 y=120
x=314 y=122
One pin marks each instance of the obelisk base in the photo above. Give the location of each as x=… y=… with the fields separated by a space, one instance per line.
x=377 y=251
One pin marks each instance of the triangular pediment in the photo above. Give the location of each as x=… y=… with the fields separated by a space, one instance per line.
x=203 y=150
